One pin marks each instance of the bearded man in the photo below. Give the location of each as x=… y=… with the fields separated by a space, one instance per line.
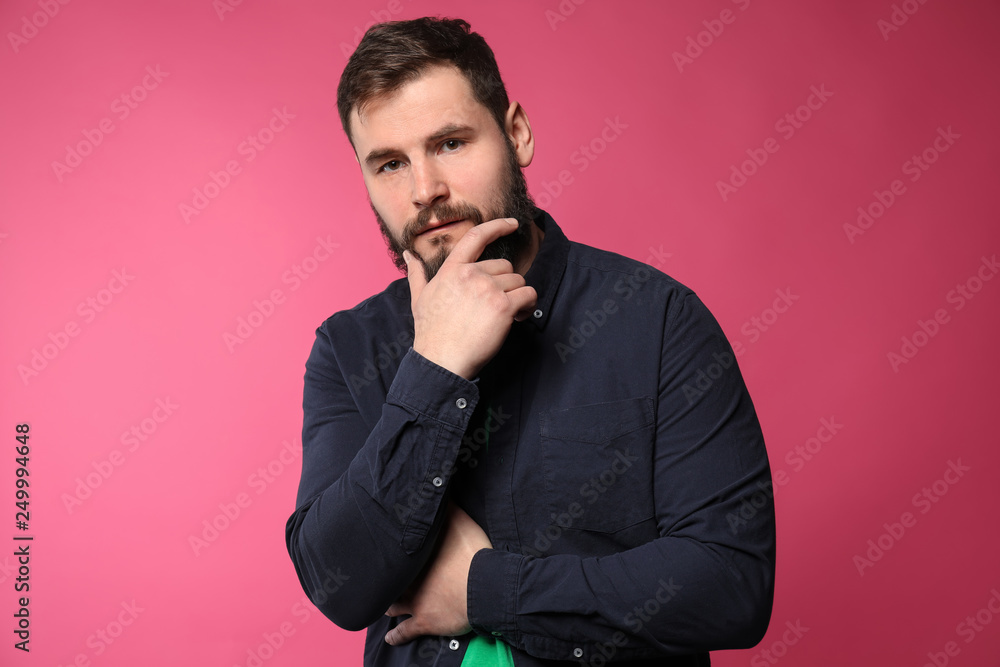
x=511 y=456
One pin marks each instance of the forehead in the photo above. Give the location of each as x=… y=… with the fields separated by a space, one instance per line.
x=441 y=96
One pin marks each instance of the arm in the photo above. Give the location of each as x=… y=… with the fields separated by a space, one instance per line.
x=707 y=581
x=370 y=494
x=368 y=511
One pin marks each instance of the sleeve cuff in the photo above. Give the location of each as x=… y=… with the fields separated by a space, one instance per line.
x=434 y=391
x=492 y=593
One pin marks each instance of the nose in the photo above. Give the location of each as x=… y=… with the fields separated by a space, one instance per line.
x=427 y=183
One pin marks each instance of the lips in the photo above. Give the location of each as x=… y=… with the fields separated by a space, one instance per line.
x=439 y=225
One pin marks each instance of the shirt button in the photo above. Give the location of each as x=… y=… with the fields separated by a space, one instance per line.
x=537 y=313
x=453 y=644
x=496 y=634
x=461 y=403
x=578 y=652
x=437 y=481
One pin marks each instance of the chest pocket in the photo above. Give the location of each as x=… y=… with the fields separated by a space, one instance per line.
x=600 y=457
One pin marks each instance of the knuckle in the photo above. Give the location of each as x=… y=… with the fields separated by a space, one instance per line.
x=498 y=302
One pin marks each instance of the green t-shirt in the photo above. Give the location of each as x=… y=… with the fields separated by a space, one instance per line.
x=487 y=652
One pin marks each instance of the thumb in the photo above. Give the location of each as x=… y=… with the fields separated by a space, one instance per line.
x=402 y=633
x=415 y=276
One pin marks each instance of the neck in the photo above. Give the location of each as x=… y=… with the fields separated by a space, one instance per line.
x=528 y=256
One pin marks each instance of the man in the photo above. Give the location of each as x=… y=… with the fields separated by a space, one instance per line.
x=512 y=456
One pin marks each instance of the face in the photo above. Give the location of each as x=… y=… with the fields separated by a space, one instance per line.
x=436 y=163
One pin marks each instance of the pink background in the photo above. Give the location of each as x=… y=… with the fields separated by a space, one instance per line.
x=651 y=192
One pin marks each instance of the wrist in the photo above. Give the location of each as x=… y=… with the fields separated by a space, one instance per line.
x=445 y=361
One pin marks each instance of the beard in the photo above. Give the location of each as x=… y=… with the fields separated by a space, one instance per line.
x=510 y=200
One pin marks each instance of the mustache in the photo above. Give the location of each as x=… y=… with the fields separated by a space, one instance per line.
x=446 y=211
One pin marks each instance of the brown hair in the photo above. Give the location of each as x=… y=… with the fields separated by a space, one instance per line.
x=394 y=53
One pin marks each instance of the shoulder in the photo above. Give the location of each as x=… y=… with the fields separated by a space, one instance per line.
x=379 y=312
x=624 y=273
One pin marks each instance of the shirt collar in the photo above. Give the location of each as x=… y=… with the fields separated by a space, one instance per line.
x=547 y=269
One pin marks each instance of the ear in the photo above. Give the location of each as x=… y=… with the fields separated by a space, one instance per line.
x=518 y=129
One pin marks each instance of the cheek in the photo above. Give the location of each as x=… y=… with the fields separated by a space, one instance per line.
x=475 y=185
x=387 y=201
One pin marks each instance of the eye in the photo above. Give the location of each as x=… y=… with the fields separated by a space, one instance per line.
x=390 y=166
x=452 y=145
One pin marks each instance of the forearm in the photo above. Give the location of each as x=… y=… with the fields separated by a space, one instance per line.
x=371 y=520
x=667 y=597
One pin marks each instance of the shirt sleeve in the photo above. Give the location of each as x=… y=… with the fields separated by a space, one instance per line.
x=370 y=497
x=707 y=582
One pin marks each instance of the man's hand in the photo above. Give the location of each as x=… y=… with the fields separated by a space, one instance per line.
x=437 y=601
x=462 y=316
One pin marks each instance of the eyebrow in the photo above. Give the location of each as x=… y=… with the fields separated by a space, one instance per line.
x=378 y=154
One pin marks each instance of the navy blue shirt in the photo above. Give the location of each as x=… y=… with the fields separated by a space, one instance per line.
x=610 y=450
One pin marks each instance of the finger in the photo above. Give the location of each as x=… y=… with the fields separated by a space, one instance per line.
x=509 y=281
x=402 y=633
x=472 y=244
x=415 y=276
x=495 y=267
x=523 y=299
x=524 y=314
x=398 y=609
